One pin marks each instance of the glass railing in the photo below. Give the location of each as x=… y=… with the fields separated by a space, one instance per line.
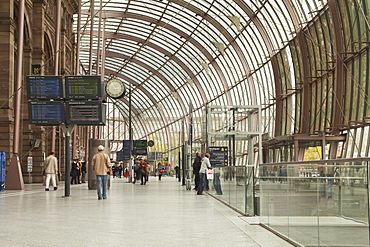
x=237 y=188
x=325 y=203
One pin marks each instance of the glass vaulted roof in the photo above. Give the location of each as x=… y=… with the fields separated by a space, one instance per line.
x=175 y=53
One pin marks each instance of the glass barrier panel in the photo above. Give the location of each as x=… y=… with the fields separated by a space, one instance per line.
x=314 y=204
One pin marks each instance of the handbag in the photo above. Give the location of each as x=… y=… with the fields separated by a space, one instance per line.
x=210 y=174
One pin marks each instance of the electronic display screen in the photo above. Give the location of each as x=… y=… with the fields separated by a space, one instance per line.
x=140 y=152
x=140 y=143
x=44 y=87
x=83 y=87
x=126 y=144
x=46 y=113
x=86 y=113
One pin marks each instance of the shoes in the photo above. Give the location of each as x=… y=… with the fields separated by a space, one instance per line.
x=99 y=198
x=55 y=188
x=46 y=189
x=104 y=198
x=201 y=194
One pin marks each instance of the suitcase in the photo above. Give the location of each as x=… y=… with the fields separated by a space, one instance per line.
x=188 y=184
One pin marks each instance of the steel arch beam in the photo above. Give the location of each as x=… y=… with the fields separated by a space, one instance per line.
x=162 y=24
x=110 y=35
x=306 y=107
x=338 y=89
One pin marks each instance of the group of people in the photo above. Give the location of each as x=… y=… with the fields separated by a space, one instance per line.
x=200 y=168
x=101 y=167
x=100 y=164
x=117 y=170
x=51 y=170
x=141 y=170
x=78 y=169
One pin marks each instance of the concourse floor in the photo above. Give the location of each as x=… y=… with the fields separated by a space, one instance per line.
x=160 y=213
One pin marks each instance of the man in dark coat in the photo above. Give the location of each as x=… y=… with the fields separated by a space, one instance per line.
x=75 y=172
x=196 y=168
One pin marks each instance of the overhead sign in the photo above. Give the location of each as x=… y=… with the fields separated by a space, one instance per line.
x=83 y=87
x=44 y=87
x=86 y=113
x=219 y=156
x=46 y=113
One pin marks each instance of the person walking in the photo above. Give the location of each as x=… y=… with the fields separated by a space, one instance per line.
x=51 y=168
x=160 y=171
x=203 y=173
x=101 y=166
x=143 y=172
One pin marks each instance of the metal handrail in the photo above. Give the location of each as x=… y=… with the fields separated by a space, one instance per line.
x=364 y=159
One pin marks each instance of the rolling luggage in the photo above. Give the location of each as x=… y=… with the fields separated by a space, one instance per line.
x=188 y=184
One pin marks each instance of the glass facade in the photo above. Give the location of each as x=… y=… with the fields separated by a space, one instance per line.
x=305 y=63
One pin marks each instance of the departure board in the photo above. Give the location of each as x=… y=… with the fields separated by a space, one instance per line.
x=86 y=113
x=140 y=147
x=46 y=113
x=140 y=143
x=44 y=87
x=83 y=87
x=126 y=144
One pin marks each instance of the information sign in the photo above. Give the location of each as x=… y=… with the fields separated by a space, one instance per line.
x=140 y=147
x=44 y=87
x=151 y=156
x=46 y=113
x=29 y=164
x=126 y=144
x=219 y=156
x=86 y=112
x=83 y=87
x=140 y=152
x=119 y=156
x=140 y=143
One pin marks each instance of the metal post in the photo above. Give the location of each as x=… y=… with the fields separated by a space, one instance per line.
x=130 y=134
x=67 y=130
x=56 y=60
x=15 y=178
x=183 y=151
x=92 y=7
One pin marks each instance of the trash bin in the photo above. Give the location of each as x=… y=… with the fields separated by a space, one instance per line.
x=2 y=170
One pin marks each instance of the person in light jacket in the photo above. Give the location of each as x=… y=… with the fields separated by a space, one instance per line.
x=51 y=168
x=101 y=166
x=203 y=173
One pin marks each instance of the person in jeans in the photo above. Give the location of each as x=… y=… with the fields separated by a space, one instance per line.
x=203 y=173
x=101 y=166
x=216 y=181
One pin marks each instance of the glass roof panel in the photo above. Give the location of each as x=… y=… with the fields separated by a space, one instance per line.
x=179 y=51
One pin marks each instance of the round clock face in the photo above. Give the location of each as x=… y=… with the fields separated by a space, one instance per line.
x=115 y=89
x=150 y=143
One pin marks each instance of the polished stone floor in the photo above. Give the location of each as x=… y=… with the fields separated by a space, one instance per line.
x=160 y=213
